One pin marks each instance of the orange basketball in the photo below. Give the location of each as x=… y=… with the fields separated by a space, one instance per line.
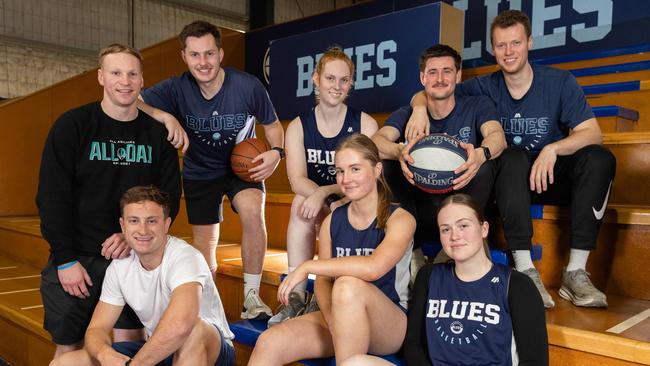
x=242 y=155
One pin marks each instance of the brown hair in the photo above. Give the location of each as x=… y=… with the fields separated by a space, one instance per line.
x=439 y=50
x=368 y=150
x=145 y=193
x=467 y=201
x=118 y=48
x=509 y=18
x=199 y=29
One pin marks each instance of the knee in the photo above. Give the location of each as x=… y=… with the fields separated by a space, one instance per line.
x=355 y=360
x=347 y=290
x=514 y=159
x=596 y=157
x=265 y=344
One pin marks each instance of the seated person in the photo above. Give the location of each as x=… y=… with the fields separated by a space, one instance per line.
x=472 y=120
x=472 y=311
x=311 y=140
x=544 y=162
x=362 y=272
x=168 y=285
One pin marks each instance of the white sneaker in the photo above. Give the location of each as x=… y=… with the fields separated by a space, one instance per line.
x=577 y=288
x=254 y=307
x=546 y=297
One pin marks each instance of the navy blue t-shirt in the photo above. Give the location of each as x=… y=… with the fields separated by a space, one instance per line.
x=464 y=122
x=214 y=126
x=469 y=323
x=348 y=241
x=319 y=150
x=553 y=104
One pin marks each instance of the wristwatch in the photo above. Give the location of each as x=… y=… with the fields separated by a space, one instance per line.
x=486 y=152
x=280 y=150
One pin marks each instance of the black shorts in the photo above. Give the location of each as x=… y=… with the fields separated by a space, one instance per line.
x=204 y=198
x=67 y=316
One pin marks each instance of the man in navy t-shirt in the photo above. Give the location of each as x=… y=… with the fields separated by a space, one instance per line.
x=470 y=119
x=537 y=106
x=217 y=107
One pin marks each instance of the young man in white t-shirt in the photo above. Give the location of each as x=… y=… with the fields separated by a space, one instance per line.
x=169 y=286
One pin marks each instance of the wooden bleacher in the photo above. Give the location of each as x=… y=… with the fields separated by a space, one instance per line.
x=577 y=336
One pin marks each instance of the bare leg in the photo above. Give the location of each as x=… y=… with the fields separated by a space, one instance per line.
x=205 y=239
x=365 y=360
x=364 y=320
x=65 y=348
x=201 y=347
x=249 y=204
x=78 y=357
x=299 y=338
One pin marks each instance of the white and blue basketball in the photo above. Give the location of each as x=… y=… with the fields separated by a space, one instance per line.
x=435 y=158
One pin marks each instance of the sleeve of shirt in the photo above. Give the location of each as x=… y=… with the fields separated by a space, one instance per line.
x=186 y=268
x=264 y=110
x=398 y=120
x=111 y=292
x=575 y=108
x=416 y=350
x=169 y=179
x=162 y=96
x=485 y=110
x=528 y=321
x=55 y=197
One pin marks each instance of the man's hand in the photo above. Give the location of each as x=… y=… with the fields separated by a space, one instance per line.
x=405 y=157
x=270 y=160
x=541 y=174
x=176 y=134
x=115 y=247
x=110 y=357
x=418 y=124
x=74 y=279
x=312 y=205
x=474 y=161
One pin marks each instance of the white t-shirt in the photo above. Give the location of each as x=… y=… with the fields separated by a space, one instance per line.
x=148 y=292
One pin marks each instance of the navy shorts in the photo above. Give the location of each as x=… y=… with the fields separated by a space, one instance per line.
x=67 y=316
x=226 y=353
x=204 y=198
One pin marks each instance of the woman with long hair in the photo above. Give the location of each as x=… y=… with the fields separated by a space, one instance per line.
x=311 y=141
x=362 y=272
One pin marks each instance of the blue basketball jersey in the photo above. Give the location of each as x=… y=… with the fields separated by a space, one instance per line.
x=468 y=323
x=348 y=241
x=214 y=126
x=464 y=122
x=319 y=150
x=553 y=104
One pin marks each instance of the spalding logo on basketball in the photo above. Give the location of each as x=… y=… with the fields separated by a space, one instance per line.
x=435 y=159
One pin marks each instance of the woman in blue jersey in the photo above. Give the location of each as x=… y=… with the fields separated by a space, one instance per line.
x=472 y=311
x=362 y=272
x=310 y=143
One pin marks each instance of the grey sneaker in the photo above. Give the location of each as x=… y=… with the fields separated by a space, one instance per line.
x=312 y=306
x=546 y=297
x=294 y=308
x=577 y=288
x=254 y=307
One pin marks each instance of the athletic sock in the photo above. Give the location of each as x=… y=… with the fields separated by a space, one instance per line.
x=522 y=260
x=300 y=288
x=577 y=259
x=252 y=282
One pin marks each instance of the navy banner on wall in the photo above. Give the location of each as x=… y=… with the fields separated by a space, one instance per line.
x=385 y=50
